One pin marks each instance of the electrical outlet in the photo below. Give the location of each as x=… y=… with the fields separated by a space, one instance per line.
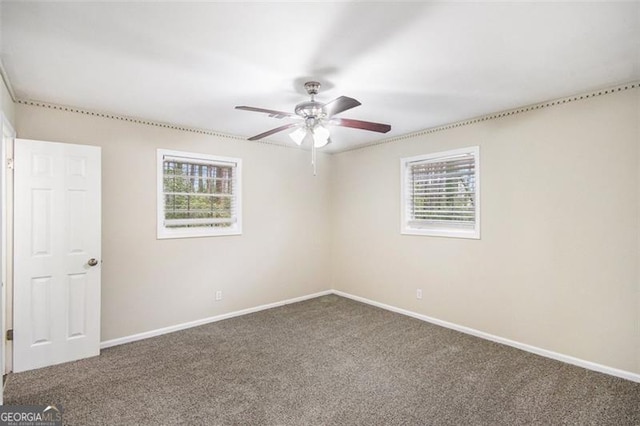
x=419 y=293
x=218 y=295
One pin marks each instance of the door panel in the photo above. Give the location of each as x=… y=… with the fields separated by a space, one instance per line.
x=41 y=222
x=57 y=230
x=40 y=310
x=77 y=302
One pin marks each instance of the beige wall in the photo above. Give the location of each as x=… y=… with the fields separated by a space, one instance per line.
x=149 y=283
x=557 y=263
x=556 y=266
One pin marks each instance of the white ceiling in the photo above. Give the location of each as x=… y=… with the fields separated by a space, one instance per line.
x=412 y=65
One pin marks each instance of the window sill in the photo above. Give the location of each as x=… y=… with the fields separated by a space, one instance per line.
x=448 y=233
x=164 y=234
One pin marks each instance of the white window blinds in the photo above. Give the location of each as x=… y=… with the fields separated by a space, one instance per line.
x=199 y=193
x=440 y=194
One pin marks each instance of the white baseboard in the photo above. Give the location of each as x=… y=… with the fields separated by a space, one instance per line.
x=467 y=330
x=171 y=329
x=533 y=349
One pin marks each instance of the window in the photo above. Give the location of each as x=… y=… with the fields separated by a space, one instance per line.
x=441 y=194
x=198 y=195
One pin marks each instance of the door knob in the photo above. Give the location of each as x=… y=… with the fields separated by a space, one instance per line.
x=92 y=262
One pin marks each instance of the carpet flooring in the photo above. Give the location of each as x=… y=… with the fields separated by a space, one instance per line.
x=325 y=361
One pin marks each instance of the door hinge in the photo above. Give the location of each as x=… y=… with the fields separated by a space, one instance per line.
x=10 y=163
x=10 y=335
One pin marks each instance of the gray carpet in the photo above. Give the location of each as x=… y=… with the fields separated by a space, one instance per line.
x=329 y=361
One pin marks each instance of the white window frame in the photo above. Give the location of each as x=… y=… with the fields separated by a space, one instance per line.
x=443 y=230
x=162 y=231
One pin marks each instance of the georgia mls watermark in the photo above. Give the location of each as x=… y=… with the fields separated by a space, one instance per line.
x=31 y=415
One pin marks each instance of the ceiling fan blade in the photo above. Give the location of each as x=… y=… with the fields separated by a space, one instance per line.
x=363 y=125
x=272 y=131
x=340 y=104
x=272 y=113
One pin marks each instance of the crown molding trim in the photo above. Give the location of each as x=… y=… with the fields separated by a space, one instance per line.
x=143 y=121
x=500 y=114
x=7 y=82
x=492 y=116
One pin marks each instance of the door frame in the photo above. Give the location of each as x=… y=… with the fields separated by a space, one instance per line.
x=7 y=135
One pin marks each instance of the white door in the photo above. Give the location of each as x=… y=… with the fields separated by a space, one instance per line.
x=56 y=253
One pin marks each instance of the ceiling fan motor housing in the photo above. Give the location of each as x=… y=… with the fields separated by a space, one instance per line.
x=311 y=109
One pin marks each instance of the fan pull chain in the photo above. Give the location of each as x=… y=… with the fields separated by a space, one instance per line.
x=313 y=156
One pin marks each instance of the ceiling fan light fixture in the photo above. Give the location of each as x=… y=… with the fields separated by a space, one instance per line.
x=320 y=136
x=298 y=135
x=315 y=116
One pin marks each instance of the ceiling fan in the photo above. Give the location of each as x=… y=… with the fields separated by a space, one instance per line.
x=313 y=117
